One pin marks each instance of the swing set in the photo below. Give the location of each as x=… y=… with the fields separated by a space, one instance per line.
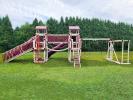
x=112 y=56
x=125 y=51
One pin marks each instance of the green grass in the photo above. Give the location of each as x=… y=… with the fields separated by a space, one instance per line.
x=1 y=58
x=98 y=79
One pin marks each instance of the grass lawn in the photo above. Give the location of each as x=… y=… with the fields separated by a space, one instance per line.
x=98 y=79
x=1 y=60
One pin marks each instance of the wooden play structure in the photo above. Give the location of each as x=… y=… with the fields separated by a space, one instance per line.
x=40 y=45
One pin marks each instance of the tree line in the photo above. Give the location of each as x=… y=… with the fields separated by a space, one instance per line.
x=91 y=28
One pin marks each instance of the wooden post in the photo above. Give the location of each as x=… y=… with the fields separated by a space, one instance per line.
x=107 y=51
x=128 y=51
x=122 y=51
x=111 y=50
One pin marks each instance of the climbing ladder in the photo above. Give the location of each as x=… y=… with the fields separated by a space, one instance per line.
x=76 y=53
x=76 y=58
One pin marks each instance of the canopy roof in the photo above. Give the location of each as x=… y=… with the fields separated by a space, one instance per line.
x=74 y=28
x=41 y=27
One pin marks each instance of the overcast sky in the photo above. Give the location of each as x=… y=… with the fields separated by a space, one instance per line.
x=21 y=11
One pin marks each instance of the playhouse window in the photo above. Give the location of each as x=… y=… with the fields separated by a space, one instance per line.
x=74 y=31
x=41 y=31
x=74 y=38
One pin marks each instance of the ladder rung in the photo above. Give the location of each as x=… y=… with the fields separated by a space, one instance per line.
x=77 y=62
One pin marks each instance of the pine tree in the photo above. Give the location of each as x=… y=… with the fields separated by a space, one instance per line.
x=6 y=38
x=40 y=23
x=52 y=26
x=35 y=22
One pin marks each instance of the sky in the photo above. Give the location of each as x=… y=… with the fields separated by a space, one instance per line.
x=21 y=11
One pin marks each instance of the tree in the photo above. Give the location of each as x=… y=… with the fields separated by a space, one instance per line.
x=23 y=33
x=0 y=26
x=52 y=26
x=40 y=23
x=35 y=22
x=6 y=38
x=91 y=28
x=62 y=27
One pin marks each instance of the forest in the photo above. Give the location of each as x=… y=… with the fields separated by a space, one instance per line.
x=91 y=28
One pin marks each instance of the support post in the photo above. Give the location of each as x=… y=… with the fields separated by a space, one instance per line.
x=122 y=51
x=128 y=51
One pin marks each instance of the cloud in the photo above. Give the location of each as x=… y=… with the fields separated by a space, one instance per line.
x=21 y=11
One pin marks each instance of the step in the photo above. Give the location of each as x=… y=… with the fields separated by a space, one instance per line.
x=76 y=54
x=76 y=58
x=75 y=49
x=77 y=63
